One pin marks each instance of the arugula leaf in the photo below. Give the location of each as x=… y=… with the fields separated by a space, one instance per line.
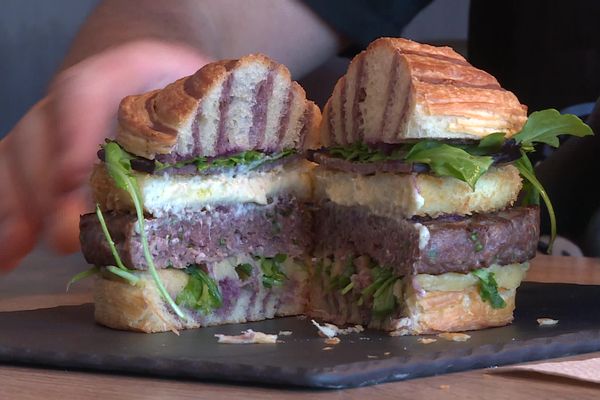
x=122 y=271
x=488 y=288
x=201 y=292
x=533 y=190
x=82 y=275
x=384 y=300
x=131 y=278
x=244 y=271
x=360 y=152
x=271 y=269
x=447 y=160
x=111 y=243
x=251 y=158
x=382 y=290
x=545 y=126
x=118 y=164
x=343 y=280
x=488 y=145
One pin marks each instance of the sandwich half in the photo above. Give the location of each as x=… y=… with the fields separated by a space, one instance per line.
x=417 y=228
x=417 y=212
x=202 y=214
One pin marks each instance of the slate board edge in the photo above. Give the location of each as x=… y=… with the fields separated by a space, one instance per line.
x=339 y=377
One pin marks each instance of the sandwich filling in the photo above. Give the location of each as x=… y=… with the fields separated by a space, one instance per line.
x=206 y=241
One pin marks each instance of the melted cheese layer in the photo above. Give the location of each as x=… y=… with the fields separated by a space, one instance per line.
x=407 y=195
x=173 y=194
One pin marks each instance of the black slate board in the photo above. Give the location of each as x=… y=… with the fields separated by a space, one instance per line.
x=66 y=337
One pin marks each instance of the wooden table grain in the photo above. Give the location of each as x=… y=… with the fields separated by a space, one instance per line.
x=40 y=282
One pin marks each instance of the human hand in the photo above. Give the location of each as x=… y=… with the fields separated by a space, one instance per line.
x=46 y=159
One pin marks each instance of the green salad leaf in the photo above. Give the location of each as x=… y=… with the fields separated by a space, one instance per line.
x=82 y=275
x=111 y=243
x=490 y=144
x=545 y=126
x=488 y=288
x=360 y=152
x=244 y=271
x=343 y=280
x=447 y=160
x=251 y=159
x=130 y=277
x=271 y=269
x=533 y=189
x=382 y=291
x=201 y=292
x=118 y=164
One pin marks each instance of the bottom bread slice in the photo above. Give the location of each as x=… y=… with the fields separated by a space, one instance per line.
x=245 y=296
x=342 y=292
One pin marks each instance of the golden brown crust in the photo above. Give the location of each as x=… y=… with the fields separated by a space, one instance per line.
x=106 y=194
x=445 y=97
x=138 y=131
x=437 y=311
x=159 y=122
x=120 y=305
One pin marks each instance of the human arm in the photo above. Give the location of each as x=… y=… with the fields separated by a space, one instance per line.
x=124 y=48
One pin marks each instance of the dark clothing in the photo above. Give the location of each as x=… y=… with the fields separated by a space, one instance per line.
x=546 y=51
x=363 y=21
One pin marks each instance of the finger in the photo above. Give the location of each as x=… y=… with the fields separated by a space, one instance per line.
x=62 y=231
x=18 y=230
x=28 y=157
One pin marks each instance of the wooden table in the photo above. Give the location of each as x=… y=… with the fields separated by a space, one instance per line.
x=40 y=280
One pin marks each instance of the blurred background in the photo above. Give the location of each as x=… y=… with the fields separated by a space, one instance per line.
x=546 y=51
x=35 y=35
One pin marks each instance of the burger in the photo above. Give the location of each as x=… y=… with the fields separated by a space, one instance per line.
x=202 y=214
x=427 y=210
x=409 y=206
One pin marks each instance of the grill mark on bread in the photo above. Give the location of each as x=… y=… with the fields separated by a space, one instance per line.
x=196 y=84
x=359 y=96
x=403 y=114
x=343 y=88
x=222 y=144
x=306 y=123
x=330 y=120
x=391 y=90
x=196 y=143
x=263 y=92
x=285 y=117
x=154 y=123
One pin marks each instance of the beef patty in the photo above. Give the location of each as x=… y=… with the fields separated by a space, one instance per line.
x=433 y=246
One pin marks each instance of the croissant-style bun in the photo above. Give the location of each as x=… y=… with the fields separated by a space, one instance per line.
x=398 y=90
x=225 y=107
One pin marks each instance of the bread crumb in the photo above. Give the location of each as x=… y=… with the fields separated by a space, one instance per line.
x=424 y=340
x=327 y=348
x=326 y=330
x=454 y=337
x=285 y=333
x=331 y=330
x=332 y=341
x=400 y=332
x=351 y=329
x=547 y=321
x=247 y=337
x=444 y=387
x=370 y=356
